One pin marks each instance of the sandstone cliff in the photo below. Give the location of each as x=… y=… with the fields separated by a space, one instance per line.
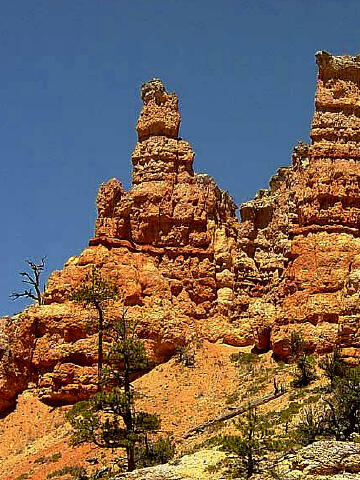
x=189 y=268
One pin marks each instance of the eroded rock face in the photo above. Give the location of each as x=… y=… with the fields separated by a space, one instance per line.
x=317 y=289
x=17 y=340
x=187 y=267
x=168 y=245
x=301 y=237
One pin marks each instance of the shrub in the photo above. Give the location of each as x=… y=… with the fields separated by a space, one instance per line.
x=244 y=358
x=160 y=451
x=305 y=363
x=305 y=372
x=339 y=415
x=312 y=425
x=333 y=366
x=185 y=355
x=78 y=473
x=23 y=476
x=232 y=398
x=56 y=457
x=344 y=405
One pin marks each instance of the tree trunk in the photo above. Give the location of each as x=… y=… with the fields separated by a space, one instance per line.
x=38 y=293
x=250 y=465
x=147 y=445
x=100 y=345
x=128 y=417
x=130 y=457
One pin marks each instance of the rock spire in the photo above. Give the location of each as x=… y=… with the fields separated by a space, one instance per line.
x=189 y=269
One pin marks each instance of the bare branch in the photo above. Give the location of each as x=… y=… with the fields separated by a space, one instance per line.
x=33 y=279
x=26 y=293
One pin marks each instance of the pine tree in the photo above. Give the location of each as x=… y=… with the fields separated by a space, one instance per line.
x=305 y=363
x=252 y=444
x=95 y=292
x=333 y=366
x=109 y=419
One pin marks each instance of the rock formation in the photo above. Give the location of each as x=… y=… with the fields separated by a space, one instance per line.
x=188 y=268
x=318 y=203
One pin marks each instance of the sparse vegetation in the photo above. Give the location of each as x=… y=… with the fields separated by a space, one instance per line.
x=52 y=458
x=232 y=398
x=23 y=476
x=244 y=358
x=56 y=457
x=160 y=451
x=75 y=472
x=343 y=406
x=311 y=425
x=338 y=414
x=185 y=355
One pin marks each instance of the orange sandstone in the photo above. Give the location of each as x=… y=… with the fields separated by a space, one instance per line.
x=187 y=267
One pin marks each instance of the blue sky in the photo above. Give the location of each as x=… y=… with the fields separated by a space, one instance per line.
x=70 y=75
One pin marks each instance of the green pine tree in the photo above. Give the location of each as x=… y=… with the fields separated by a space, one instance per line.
x=305 y=363
x=333 y=366
x=253 y=443
x=95 y=292
x=110 y=419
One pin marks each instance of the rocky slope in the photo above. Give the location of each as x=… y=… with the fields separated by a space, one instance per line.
x=186 y=265
x=319 y=461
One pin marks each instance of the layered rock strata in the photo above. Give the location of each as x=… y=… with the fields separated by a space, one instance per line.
x=303 y=232
x=168 y=245
x=319 y=288
x=189 y=269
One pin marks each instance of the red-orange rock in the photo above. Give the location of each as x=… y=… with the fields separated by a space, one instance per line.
x=186 y=267
x=319 y=202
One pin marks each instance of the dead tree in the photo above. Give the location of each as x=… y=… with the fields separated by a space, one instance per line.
x=31 y=278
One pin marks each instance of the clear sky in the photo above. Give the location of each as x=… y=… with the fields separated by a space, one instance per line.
x=70 y=75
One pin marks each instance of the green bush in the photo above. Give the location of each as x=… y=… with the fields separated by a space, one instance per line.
x=333 y=366
x=344 y=405
x=312 y=425
x=78 y=473
x=23 y=476
x=56 y=457
x=305 y=363
x=185 y=355
x=305 y=372
x=160 y=451
x=232 y=398
x=339 y=414
x=244 y=358
x=53 y=458
x=254 y=442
